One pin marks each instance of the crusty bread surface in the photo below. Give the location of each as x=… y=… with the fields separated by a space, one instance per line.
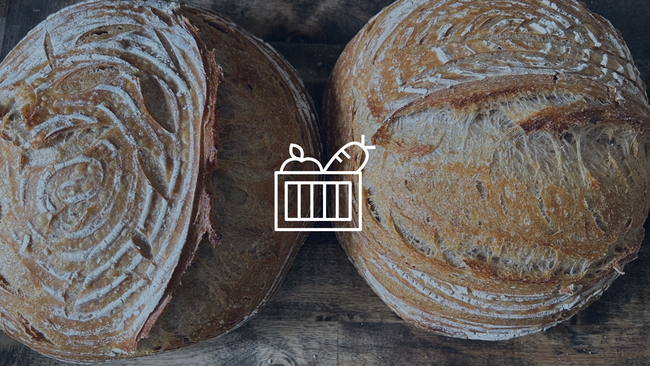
x=138 y=143
x=509 y=185
x=262 y=108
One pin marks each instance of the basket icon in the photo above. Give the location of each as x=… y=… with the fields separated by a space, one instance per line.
x=328 y=198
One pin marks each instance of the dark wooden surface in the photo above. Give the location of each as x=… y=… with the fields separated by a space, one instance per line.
x=324 y=313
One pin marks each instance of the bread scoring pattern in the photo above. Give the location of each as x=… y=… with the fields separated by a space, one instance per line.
x=447 y=43
x=509 y=186
x=103 y=109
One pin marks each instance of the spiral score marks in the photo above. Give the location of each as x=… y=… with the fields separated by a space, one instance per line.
x=450 y=42
x=509 y=185
x=103 y=107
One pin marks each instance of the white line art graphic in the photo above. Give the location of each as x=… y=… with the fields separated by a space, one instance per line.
x=297 y=185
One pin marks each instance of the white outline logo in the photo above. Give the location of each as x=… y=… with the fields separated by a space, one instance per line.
x=294 y=187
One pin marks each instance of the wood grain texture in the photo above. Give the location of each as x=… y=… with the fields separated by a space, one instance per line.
x=324 y=21
x=4 y=6
x=325 y=309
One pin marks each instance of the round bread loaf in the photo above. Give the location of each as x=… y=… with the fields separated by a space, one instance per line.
x=510 y=182
x=138 y=143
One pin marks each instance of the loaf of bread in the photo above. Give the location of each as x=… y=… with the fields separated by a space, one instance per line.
x=509 y=185
x=138 y=145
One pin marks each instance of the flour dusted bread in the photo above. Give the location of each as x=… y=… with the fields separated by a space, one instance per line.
x=134 y=135
x=262 y=108
x=509 y=185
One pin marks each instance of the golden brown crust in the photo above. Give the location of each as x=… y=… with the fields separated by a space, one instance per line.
x=202 y=224
x=177 y=94
x=508 y=186
x=102 y=158
x=228 y=284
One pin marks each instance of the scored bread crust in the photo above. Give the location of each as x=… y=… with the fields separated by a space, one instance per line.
x=103 y=110
x=262 y=108
x=139 y=83
x=509 y=184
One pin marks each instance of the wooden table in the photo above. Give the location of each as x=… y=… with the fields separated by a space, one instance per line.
x=324 y=313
